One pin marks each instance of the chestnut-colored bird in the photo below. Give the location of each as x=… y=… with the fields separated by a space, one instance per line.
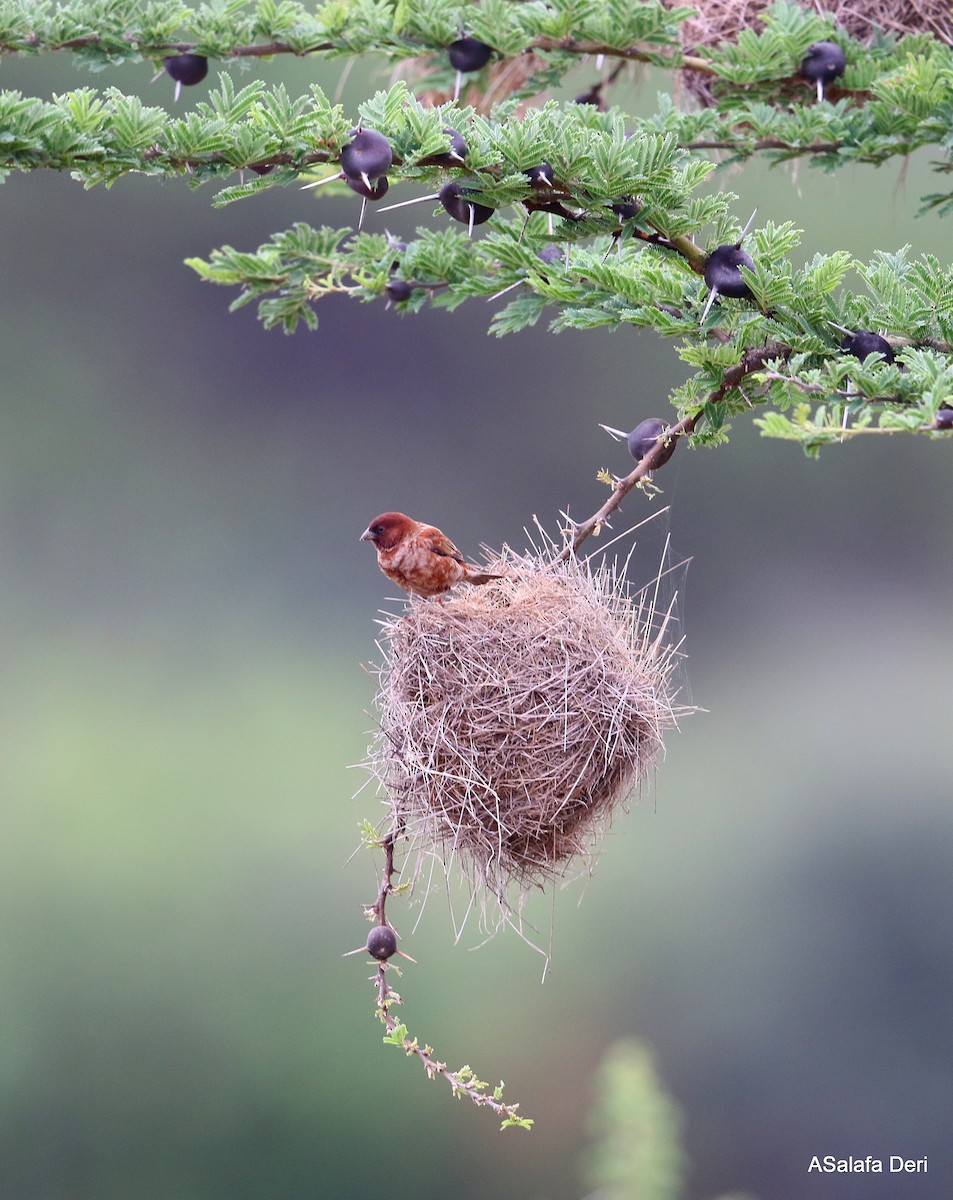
x=419 y=558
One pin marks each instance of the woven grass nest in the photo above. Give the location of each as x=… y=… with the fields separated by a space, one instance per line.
x=516 y=717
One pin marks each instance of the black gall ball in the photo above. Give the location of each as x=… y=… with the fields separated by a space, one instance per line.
x=824 y=62
x=863 y=342
x=541 y=176
x=367 y=156
x=186 y=68
x=454 y=156
x=455 y=198
x=376 y=192
x=723 y=274
x=398 y=290
x=645 y=436
x=382 y=943
x=469 y=54
x=943 y=418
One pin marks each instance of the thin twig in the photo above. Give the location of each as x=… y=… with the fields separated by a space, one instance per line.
x=462 y=1082
x=752 y=360
x=583 y=529
x=568 y=45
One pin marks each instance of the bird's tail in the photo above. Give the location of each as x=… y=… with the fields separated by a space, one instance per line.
x=476 y=575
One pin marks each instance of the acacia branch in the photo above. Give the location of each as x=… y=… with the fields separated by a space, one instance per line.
x=463 y=1082
x=572 y=45
x=752 y=360
x=582 y=529
x=164 y=49
x=765 y=144
x=568 y=45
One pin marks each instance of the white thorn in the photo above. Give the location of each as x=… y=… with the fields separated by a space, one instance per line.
x=820 y=90
x=711 y=300
x=470 y=225
x=321 y=182
x=367 y=182
x=550 y=215
x=600 y=61
x=842 y=328
x=616 y=433
x=456 y=86
x=158 y=74
x=360 y=220
x=503 y=291
x=178 y=91
x=404 y=203
x=744 y=232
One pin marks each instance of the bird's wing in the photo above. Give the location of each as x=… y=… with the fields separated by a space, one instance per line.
x=439 y=543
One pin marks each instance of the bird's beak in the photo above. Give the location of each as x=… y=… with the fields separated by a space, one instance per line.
x=366 y=536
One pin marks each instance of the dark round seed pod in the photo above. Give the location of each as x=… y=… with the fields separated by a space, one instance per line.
x=644 y=437
x=551 y=254
x=593 y=97
x=261 y=168
x=722 y=271
x=368 y=153
x=468 y=54
x=824 y=61
x=627 y=208
x=455 y=198
x=864 y=342
x=377 y=192
x=943 y=419
x=398 y=290
x=458 y=146
x=541 y=176
x=186 y=68
x=381 y=943
x=453 y=156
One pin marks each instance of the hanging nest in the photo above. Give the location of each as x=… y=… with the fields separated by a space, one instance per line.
x=516 y=717
x=722 y=20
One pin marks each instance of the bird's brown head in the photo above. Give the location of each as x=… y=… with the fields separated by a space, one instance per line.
x=387 y=530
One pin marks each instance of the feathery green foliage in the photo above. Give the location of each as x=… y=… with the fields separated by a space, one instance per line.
x=624 y=228
x=637 y=1152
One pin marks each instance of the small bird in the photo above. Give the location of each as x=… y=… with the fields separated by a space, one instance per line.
x=420 y=558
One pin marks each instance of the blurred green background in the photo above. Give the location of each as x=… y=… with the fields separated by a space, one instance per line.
x=185 y=610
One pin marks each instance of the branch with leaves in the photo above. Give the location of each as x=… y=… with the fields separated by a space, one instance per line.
x=590 y=217
x=587 y=216
x=382 y=947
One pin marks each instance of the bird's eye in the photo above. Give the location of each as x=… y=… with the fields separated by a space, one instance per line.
x=377 y=530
